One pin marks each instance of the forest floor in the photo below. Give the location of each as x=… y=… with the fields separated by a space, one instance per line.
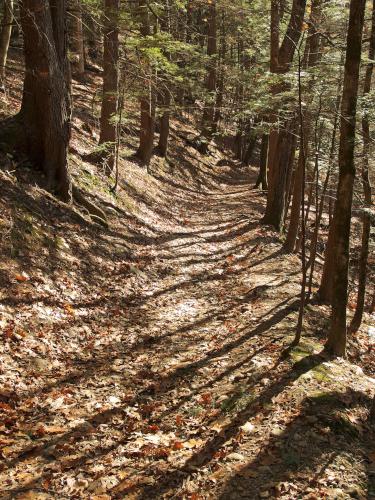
x=147 y=360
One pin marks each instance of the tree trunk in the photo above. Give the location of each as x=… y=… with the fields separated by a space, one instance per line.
x=311 y=58
x=221 y=79
x=209 y=109
x=162 y=148
x=6 y=31
x=279 y=180
x=92 y=35
x=148 y=100
x=262 y=177
x=336 y=343
x=76 y=39
x=108 y=117
x=366 y=219
x=280 y=62
x=43 y=123
x=291 y=236
x=147 y=131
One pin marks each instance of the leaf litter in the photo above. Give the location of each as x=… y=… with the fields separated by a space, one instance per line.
x=145 y=361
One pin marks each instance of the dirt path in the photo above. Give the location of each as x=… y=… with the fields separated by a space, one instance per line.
x=144 y=361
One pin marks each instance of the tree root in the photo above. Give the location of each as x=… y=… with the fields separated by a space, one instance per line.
x=96 y=213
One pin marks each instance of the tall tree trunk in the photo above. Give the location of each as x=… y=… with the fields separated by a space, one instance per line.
x=366 y=219
x=336 y=343
x=43 y=123
x=221 y=79
x=164 y=94
x=292 y=233
x=281 y=61
x=262 y=177
x=91 y=35
x=209 y=109
x=162 y=148
x=6 y=31
x=311 y=58
x=76 y=39
x=286 y=145
x=108 y=117
x=148 y=100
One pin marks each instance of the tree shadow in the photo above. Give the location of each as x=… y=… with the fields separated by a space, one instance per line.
x=206 y=454
x=321 y=437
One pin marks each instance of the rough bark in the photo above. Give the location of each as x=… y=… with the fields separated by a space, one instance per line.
x=281 y=60
x=148 y=100
x=336 y=343
x=42 y=127
x=209 y=109
x=311 y=58
x=6 y=31
x=262 y=177
x=76 y=41
x=108 y=117
x=294 y=223
x=285 y=145
x=366 y=219
x=162 y=147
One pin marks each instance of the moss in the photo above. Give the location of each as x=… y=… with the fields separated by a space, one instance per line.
x=301 y=351
x=323 y=398
x=237 y=401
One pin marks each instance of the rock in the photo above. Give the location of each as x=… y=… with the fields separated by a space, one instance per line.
x=277 y=431
x=236 y=456
x=248 y=428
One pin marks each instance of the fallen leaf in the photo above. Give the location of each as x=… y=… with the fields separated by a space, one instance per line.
x=177 y=445
x=69 y=309
x=193 y=443
x=22 y=277
x=179 y=420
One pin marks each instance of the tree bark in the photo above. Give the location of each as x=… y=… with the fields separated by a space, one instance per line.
x=366 y=219
x=281 y=60
x=148 y=100
x=262 y=177
x=162 y=148
x=311 y=58
x=336 y=343
x=6 y=31
x=76 y=39
x=108 y=117
x=42 y=127
x=209 y=108
x=294 y=223
x=285 y=146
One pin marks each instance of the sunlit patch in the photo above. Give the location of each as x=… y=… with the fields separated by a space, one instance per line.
x=185 y=309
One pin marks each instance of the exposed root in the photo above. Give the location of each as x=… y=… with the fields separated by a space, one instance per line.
x=96 y=213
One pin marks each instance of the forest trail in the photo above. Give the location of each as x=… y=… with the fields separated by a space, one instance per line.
x=144 y=361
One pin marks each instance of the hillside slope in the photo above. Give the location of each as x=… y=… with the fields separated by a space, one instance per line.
x=147 y=359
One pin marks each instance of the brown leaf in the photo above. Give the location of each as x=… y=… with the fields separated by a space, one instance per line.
x=21 y=277
x=179 y=420
x=177 y=445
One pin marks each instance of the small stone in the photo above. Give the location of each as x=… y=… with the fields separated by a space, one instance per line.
x=277 y=431
x=248 y=428
x=236 y=456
